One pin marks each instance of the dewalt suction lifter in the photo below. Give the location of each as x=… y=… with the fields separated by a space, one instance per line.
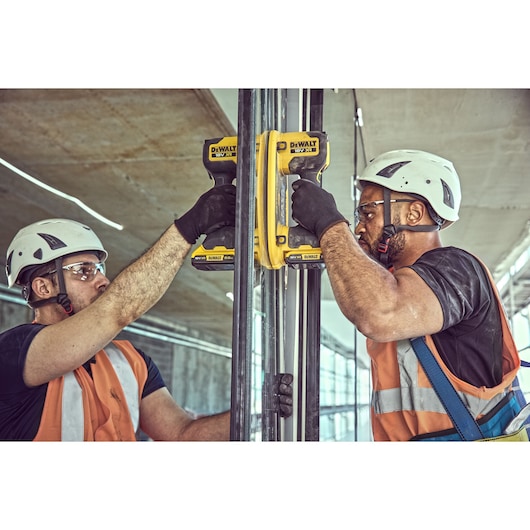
x=278 y=157
x=305 y=154
x=219 y=156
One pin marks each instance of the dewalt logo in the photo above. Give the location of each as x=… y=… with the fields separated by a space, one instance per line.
x=223 y=151
x=304 y=146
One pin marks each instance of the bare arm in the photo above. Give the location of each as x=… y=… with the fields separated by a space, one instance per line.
x=382 y=305
x=162 y=419
x=62 y=347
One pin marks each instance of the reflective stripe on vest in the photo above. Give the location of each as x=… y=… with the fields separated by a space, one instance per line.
x=73 y=420
x=412 y=396
x=104 y=407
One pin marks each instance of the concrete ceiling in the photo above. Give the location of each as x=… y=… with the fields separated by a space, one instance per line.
x=135 y=157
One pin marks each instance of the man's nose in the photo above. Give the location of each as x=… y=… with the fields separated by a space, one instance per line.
x=101 y=279
x=359 y=228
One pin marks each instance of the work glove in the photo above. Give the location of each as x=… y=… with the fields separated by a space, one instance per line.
x=283 y=393
x=314 y=208
x=214 y=209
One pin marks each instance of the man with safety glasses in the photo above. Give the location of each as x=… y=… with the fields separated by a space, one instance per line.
x=64 y=377
x=396 y=282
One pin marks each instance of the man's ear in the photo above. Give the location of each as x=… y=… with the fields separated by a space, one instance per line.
x=416 y=212
x=42 y=287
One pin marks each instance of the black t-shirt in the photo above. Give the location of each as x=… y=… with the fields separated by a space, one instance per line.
x=21 y=406
x=470 y=342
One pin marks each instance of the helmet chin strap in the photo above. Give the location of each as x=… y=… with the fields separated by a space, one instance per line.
x=390 y=230
x=62 y=298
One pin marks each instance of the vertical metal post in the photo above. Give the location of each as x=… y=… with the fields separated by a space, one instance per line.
x=270 y=304
x=293 y=336
x=242 y=324
x=312 y=427
x=315 y=101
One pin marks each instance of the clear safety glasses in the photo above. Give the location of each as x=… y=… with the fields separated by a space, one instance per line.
x=365 y=212
x=84 y=270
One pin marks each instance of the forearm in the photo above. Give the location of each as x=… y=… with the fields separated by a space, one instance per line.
x=138 y=287
x=162 y=419
x=362 y=287
x=208 y=428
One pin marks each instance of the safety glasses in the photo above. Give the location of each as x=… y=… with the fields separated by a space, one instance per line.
x=365 y=212
x=84 y=270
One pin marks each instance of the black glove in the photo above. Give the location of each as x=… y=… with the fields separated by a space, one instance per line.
x=314 y=208
x=214 y=209
x=283 y=392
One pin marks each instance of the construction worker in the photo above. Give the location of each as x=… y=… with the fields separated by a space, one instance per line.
x=63 y=377
x=395 y=281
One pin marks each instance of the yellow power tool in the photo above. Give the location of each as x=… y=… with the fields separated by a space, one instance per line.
x=219 y=156
x=302 y=154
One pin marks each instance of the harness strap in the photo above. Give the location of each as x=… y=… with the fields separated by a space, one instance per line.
x=466 y=426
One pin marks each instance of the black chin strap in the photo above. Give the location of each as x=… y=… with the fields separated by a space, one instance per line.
x=62 y=298
x=390 y=230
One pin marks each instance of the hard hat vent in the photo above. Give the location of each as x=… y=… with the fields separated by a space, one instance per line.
x=448 y=199
x=53 y=242
x=388 y=171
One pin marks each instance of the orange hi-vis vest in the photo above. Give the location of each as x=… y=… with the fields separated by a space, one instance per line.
x=405 y=405
x=104 y=407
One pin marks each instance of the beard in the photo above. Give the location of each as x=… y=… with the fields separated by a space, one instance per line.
x=396 y=244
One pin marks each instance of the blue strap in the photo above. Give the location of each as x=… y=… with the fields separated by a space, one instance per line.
x=465 y=424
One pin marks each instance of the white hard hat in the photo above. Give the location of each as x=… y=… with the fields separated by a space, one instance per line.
x=45 y=241
x=418 y=173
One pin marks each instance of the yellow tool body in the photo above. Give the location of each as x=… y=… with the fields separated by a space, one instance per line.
x=303 y=154
x=217 y=251
x=219 y=156
x=261 y=238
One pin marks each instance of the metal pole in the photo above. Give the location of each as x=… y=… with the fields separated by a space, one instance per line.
x=293 y=338
x=269 y=302
x=313 y=295
x=242 y=325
